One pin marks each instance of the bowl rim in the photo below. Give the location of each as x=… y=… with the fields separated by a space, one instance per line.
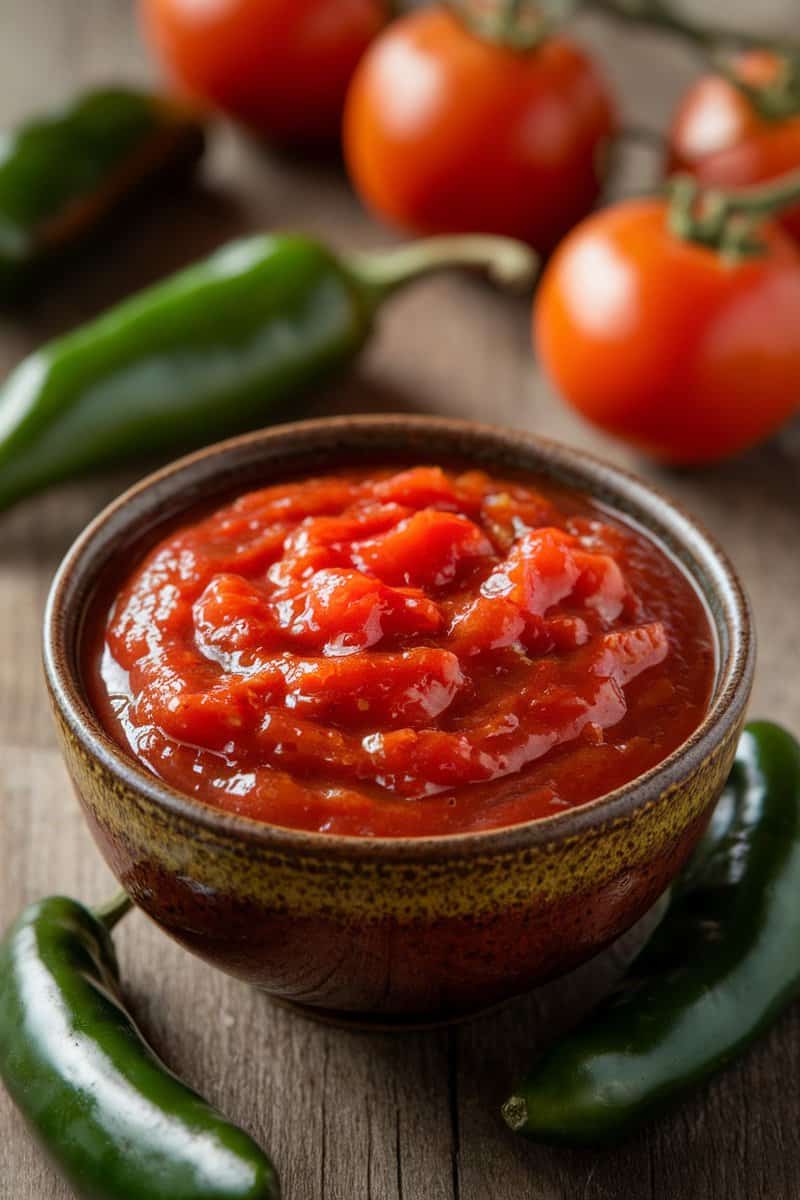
x=734 y=670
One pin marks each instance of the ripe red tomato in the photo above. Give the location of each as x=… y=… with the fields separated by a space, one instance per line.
x=445 y=132
x=281 y=66
x=719 y=136
x=663 y=342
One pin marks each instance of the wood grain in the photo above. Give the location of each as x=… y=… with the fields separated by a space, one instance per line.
x=356 y=1117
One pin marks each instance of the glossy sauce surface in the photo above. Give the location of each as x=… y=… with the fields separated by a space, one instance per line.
x=402 y=653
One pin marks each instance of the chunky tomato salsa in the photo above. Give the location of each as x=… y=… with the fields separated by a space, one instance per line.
x=403 y=653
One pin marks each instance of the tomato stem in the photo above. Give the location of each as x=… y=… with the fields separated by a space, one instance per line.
x=775 y=100
x=513 y=14
x=516 y=24
x=728 y=220
x=112 y=912
x=506 y=261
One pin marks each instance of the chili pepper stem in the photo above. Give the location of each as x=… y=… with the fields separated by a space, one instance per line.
x=515 y=1112
x=507 y=262
x=112 y=912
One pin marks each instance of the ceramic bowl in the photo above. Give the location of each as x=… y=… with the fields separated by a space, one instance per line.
x=399 y=929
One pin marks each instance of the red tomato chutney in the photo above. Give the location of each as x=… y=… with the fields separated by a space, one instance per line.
x=403 y=653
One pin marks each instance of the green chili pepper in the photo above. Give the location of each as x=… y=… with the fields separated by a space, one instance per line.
x=59 y=176
x=215 y=349
x=117 y=1123
x=718 y=970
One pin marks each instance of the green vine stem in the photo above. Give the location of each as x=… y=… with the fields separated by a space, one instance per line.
x=775 y=99
x=725 y=220
x=709 y=38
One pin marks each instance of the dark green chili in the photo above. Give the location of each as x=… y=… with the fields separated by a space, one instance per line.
x=215 y=349
x=718 y=970
x=117 y=1123
x=62 y=174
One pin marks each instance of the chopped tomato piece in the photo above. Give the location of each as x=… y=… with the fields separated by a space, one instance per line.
x=415 y=686
x=508 y=517
x=567 y=633
x=426 y=550
x=343 y=612
x=624 y=654
x=486 y=624
x=540 y=571
x=601 y=584
x=232 y=616
x=421 y=487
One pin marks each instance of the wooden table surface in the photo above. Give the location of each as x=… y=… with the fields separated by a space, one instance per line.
x=347 y=1116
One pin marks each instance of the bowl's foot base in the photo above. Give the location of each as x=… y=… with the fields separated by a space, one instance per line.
x=591 y=980
x=384 y=1022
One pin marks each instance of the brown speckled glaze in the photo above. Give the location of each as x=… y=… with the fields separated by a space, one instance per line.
x=391 y=929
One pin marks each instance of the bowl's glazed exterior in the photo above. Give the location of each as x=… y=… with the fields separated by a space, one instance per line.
x=390 y=929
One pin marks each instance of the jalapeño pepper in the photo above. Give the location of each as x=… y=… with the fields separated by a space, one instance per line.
x=215 y=349
x=62 y=174
x=116 y=1122
x=719 y=968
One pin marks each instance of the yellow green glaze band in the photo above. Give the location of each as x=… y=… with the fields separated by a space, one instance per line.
x=308 y=885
